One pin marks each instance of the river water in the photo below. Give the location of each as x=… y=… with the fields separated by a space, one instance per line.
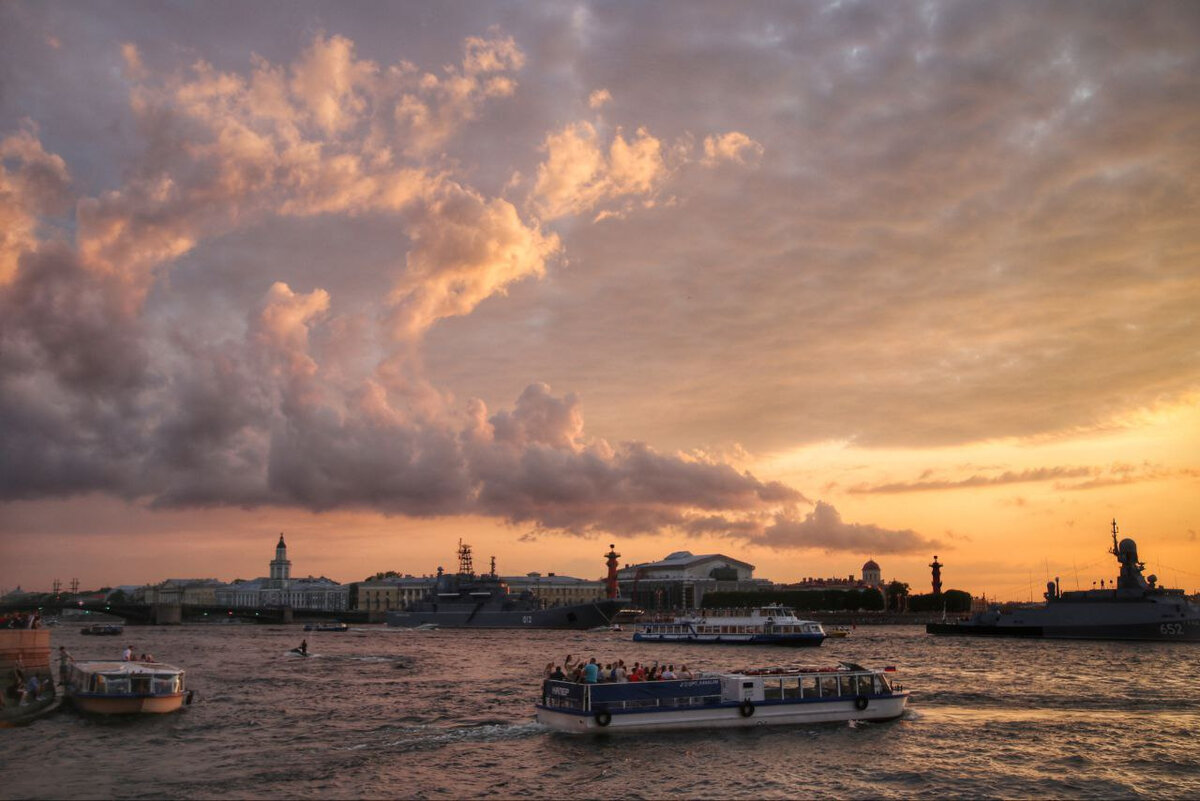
x=395 y=713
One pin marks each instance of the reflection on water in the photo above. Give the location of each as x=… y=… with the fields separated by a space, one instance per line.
x=445 y=714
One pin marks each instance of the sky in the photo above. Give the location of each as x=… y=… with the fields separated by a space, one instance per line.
x=801 y=283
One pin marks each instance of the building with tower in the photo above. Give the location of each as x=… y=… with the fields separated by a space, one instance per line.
x=279 y=589
x=871 y=574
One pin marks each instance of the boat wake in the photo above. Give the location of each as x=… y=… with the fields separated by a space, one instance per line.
x=425 y=737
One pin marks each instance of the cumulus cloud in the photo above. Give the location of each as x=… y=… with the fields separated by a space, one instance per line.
x=106 y=389
x=578 y=174
x=733 y=146
x=824 y=528
x=32 y=183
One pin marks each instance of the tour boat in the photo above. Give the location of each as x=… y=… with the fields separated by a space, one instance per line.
x=103 y=630
x=124 y=688
x=759 y=697
x=771 y=624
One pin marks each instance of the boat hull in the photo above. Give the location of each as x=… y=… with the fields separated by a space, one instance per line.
x=790 y=640
x=455 y=616
x=127 y=704
x=726 y=715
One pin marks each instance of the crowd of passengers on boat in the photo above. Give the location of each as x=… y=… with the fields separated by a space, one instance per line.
x=593 y=672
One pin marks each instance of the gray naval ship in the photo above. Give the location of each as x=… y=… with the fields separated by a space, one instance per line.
x=465 y=600
x=1135 y=609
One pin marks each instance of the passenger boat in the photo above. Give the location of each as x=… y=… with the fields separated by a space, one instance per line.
x=1135 y=609
x=837 y=631
x=103 y=630
x=327 y=627
x=24 y=656
x=757 y=697
x=772 y=624
x=125 y=688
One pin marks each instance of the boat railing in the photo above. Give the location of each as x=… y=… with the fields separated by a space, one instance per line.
x=631 y=695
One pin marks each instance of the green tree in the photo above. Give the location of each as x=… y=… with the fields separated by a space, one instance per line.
x=897 y=593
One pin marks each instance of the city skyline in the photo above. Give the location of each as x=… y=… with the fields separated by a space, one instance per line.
x=804 y=284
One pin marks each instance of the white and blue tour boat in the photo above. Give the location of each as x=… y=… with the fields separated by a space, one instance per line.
x=760 y=697
x=772 y=624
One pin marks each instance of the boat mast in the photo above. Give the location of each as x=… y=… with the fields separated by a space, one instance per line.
x=465 y=568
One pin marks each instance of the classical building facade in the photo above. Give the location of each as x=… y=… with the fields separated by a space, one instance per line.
x=279 y=589
x=555 y=590
x=681 y=580
x=393 y=593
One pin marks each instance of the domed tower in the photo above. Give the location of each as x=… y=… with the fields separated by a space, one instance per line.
x=871 y=574
x=281 y=567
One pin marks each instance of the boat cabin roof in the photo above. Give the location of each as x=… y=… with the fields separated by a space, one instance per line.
x=115 y=667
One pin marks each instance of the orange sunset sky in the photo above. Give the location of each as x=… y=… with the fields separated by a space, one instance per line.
x=800 y=283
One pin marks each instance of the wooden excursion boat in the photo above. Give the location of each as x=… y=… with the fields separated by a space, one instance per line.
x=758 y=697
x=26 y=683
x=126 y=688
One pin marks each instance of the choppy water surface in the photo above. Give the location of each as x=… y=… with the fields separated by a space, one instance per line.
x=382 y=712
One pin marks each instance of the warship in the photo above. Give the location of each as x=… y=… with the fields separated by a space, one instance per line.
x=466 y=600
x=1136 y=608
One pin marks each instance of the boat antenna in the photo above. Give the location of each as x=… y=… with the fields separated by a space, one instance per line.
x=1115 y=552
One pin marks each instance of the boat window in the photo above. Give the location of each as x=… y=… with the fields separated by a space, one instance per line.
x=849 y=685
x=772 y=690
x=166 y=684
x=864 y=685
x=113 y=685
x=881 y=685
x=809 y=685
x=829 y=686
x=791 y=687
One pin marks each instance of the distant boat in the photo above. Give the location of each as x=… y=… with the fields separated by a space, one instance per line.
x=103 y=630
x=1135 y=609
x=837 y=631
x=772 y=624
x=126 y=688
x=327 y=627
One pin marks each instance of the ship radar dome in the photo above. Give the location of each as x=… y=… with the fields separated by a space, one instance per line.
x=1128 y=546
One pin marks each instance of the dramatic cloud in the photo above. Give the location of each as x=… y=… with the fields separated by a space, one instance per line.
x=244 y=267
x=824 y=528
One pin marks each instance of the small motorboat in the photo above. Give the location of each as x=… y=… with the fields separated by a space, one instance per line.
x=837 y=631
x=126 y=688
x=103 y=630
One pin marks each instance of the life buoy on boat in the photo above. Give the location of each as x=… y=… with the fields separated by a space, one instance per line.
x=860 y=702
x=603 y=717
x=747 y=709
